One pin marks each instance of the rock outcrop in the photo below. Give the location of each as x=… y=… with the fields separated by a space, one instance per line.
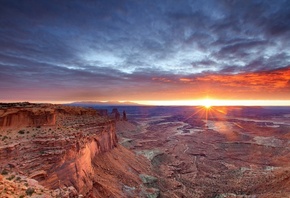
x=61 y=146
x=124 y=118
x=115 y=114
x=27 y=118
x=26 y=114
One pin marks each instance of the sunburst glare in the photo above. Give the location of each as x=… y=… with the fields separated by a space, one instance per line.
x=207 y=103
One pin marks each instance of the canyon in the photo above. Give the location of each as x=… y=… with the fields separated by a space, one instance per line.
x=61 y=151
x=217 y=152
x=51 y=150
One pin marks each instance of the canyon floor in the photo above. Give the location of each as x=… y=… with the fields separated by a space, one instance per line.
x=214 y=152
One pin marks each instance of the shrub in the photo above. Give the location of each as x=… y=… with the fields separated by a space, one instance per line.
x=11 y=177
x=21 y=132
x=5 y=137
x=4 y=172
x=30 y=191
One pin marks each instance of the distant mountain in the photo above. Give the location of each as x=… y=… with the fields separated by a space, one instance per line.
x=107 y=103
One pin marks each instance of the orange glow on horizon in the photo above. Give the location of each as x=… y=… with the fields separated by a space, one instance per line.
x=207 y=103
x=215 y=102
x=264 y=85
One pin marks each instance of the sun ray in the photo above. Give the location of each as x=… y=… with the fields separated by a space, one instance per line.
x=195 y=113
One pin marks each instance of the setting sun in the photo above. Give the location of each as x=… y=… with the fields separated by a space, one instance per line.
x=207 y=103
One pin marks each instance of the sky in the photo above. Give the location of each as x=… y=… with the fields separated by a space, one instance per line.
x=125 y=50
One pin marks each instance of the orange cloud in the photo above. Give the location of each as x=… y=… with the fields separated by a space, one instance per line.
x=167 y=80
x=273 y=84
x=272 y=80
x=185 y=80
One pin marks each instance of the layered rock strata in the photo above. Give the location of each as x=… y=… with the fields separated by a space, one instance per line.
x=26 y=114
x=63 y=147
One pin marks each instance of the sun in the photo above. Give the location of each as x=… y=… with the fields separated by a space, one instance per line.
x=207 y=106
x=207 y=103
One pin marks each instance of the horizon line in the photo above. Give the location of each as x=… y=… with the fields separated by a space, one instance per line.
x=215 y=102
x=198 y=102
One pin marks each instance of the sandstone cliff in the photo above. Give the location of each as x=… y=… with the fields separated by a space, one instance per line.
x=62 y=146
x=27 y=118
x=26 y=114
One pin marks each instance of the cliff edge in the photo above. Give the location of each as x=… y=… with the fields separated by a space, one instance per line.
x=70 y=151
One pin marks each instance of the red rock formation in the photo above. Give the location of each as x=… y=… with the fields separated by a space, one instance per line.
x=18 y=117
x=26 y=114
x=80 y=150
x=115 y=113
x=72 y=160
x=124 y=118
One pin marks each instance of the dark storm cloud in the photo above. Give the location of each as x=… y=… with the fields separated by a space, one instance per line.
x=101 y=45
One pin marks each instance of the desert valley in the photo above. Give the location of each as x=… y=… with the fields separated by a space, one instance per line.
x=66 y=151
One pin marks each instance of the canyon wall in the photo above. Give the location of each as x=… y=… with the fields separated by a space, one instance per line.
x=69 y=147
x=65 y=159
x=23 y=115
x=19 y=118
x=61 y=154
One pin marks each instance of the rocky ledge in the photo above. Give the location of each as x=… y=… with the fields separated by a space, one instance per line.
x=63 y=147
